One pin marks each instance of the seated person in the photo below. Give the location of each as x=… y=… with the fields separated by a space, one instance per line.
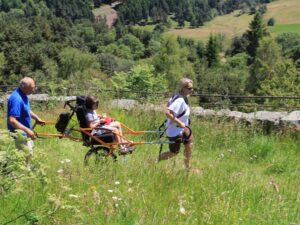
x=106 y=123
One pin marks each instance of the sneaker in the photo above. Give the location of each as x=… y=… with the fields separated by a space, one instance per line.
x=129 y=149
x=124 y=151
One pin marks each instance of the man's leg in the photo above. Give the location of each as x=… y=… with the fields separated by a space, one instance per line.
x=188 y=155
x=188 y=159
x=173 y=149
x=166 y=155
x=27 y=147
x=188 y=150
x=29 y=157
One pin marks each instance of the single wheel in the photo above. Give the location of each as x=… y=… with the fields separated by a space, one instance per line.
x=97 y=155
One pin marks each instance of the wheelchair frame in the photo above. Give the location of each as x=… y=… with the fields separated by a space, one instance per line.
x=96 y=144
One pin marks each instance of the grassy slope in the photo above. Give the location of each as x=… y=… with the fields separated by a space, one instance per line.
x=102 y=11
x=285 y=12
x=228 y=25
x=248 y=179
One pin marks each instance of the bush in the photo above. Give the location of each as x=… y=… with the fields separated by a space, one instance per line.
x=271 y=22
x=13 y=168
x=12 y=162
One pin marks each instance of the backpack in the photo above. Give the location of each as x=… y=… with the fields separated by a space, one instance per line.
x=174 y=97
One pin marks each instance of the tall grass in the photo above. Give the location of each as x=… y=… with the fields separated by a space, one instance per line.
x=248 y=178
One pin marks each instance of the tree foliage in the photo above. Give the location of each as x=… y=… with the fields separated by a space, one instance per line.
x=196 y=12
x=172 y=61
x=72 y=60
x=272 y=74
x=59 y=43
x=212 y=52
x=141 y=78
x=257 y=30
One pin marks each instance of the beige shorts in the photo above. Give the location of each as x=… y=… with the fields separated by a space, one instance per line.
x=24 y=145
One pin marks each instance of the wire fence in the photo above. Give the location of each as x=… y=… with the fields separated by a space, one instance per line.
x=205 y=100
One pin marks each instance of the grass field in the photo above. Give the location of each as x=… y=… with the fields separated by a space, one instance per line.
x=285 y=12
x=248 y=178
x=285 y=28
x=228 y=25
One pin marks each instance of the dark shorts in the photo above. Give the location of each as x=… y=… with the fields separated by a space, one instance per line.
x=183 y=138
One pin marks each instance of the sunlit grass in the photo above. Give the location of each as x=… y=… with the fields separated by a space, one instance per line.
x=248 y=178
x=285 y=12
x=285 y=28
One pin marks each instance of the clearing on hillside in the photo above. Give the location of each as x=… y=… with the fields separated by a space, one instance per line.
x=285 y=12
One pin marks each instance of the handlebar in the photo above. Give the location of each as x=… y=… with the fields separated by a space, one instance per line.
x=68 y=103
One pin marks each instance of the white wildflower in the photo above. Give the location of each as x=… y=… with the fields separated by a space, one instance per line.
x=117 y=182
x=111 y=191
x=62 y=161
x=60 y=171
x=67 y=160
x=73 y=196
x=115 y=198
x=182 y=210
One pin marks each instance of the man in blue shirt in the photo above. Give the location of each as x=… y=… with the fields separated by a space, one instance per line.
x=18 y=111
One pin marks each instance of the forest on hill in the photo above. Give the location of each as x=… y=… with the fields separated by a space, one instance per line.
x=196 y=12
x=59 y=43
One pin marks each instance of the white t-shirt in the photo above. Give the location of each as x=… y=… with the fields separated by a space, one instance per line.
x=92 y=116
x=178 y=106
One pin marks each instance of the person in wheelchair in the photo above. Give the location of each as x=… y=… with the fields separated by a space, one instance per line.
x=107 y=124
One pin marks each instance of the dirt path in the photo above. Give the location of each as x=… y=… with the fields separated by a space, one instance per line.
x=108 y=12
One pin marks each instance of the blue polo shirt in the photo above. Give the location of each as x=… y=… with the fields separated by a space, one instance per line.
x=18 y=106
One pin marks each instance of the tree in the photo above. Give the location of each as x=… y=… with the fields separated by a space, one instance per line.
x=284 y=82
x=290 y=44
x=136 y=46
x=262 y=9
x=97 y=3
x=72 y=10
x=120 y=50
x=172 y=61
x=271 y=21
x=257 y=30
x=238 y=45
x=72 y=60
x=2 y=63
x=212 y=52
x=140 y=78
x=224 y=79
x=267 y=59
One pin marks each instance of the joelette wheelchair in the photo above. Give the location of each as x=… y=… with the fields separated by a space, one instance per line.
x=103 y=145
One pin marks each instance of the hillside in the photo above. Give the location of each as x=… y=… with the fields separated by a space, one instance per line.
x=285 y=12
x=229 y=25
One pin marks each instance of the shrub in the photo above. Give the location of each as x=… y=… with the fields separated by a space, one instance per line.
x=271 y=22
x=12 y=162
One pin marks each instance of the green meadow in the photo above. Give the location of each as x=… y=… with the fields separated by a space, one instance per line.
x=248 y=178
x=285 y=12
x=285 y=28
